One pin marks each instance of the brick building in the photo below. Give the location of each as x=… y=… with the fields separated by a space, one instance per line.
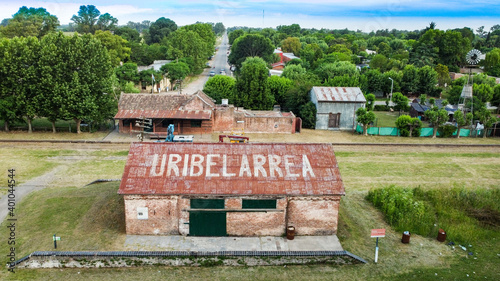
x=198 y=114
x=218 y=189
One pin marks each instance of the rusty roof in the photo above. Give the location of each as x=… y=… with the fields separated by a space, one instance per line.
x=168 y=105
x=231 y=169
x=339 y=94
x=169 y=114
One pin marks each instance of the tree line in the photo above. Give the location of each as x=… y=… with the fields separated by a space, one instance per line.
x=56 y=77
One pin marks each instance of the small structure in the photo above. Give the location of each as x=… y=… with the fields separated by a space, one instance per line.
x=284 y=58
x=418 y=110
x=336 y=106
x=197 y=114
x=219 y=189
x=162 y=84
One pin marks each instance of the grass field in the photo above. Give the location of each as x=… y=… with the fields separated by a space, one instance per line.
x=91 y=218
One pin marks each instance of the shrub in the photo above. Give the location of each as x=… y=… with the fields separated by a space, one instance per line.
x=446 y=131
x=380 y=107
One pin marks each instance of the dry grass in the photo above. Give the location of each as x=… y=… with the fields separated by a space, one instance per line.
x=22 y=135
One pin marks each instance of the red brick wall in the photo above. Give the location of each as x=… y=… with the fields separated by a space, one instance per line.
x=168 y=215
x=255 y=223
x=163 y=217
x=314 y=215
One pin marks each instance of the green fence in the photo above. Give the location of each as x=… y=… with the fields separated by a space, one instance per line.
x=424 y=132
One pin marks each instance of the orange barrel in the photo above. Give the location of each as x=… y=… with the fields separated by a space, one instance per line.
x=290 y=233
x=406 y=237
x=441 y=235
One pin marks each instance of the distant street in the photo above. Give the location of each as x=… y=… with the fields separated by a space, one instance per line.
x=217 y=64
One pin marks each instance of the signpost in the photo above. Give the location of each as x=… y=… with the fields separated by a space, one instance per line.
x=56 y=238
x=376 y=233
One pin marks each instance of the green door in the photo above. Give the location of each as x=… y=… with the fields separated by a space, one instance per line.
x=207 y=223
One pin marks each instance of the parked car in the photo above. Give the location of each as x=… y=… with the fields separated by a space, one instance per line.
x=222 y=72
x=212 y=73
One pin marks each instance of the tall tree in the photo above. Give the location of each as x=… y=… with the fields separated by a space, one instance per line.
x=117 y=46
x=251 y=89
x=233 y=35
x=219 y=28
x=427 y=80
x=160 y=29
x=89 y=19
x=22 y=67
x=409 y=81
x=278 y=87
x=443 y=75
x=187 y=43
x=30 y=22
x=250 y=45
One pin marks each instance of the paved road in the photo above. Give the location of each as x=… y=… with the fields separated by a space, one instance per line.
x=218 y=63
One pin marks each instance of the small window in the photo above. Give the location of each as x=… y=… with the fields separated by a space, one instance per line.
x=195 y=123
x=259 y=204
x=142 y=213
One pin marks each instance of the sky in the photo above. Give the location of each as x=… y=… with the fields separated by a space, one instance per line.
x=364 y=15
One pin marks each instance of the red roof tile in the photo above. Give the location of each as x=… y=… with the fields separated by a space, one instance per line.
x=231 y=169
x=170 y=114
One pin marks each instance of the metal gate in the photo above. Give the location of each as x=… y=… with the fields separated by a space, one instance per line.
x=207 y=223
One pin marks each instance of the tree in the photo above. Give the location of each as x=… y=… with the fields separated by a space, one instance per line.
x=235 y=35
x=291 y=45
x=220 y=87
x=293 y=72
x=129 y=34
x=219 y=28
x=427 y=80
x=483 y=92
x=127 y=73
x=185 y=43
x=443 y=75
x=251 y=89
x=307 y=113
x=74 y=73
x=408 y=127
x=401 y=102
x=89 y=20
x=116 y=46
x=462 y=120
x=423 y=99
x=30 y=22
x=278 y=87
x=250 y=45
x=409 y=82
x=22 y=66
x=485 y=117
x=437 y=117
x=330 y=70
x=495 y=100
x=175 y=71
x=492 y=62
x=160 y=29
x=290 y=30
x=365 y=117
x=370 y=102
x=379 y=62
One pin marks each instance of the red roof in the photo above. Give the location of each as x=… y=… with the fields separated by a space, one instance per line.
x=170 y=114
x=231 y=169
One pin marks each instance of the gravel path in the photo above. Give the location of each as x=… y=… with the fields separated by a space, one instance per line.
x=26 y=188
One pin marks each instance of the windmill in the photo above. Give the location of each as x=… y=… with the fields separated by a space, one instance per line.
x=473 y=57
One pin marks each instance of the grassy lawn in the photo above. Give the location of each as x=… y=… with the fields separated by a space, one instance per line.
x=386 y=118
x=91 y=218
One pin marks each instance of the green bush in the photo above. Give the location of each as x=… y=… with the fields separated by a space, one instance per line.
x=467 y=216
x=446 y=131
x=402 y=210
x=380 y=107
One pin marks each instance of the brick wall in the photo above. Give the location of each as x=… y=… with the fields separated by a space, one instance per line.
x=163 y=215
x=255 y=223
x=168 y=215
x=314 y=215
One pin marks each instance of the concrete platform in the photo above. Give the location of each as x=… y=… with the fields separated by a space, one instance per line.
x=265 y=243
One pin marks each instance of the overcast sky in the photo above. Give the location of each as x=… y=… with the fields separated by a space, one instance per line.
x=366 y=15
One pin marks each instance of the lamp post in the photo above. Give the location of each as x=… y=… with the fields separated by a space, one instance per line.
x=390 y=97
